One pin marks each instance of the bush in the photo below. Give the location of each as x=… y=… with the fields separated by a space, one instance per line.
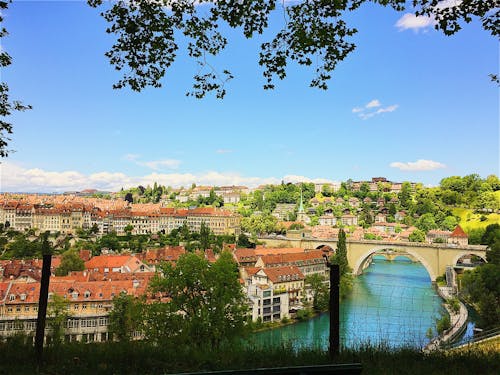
x=454 y=305
x=443 y=323
x=304 y=314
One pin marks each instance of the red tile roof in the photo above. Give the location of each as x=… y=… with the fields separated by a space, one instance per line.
x=459 y=232
x=283 y=274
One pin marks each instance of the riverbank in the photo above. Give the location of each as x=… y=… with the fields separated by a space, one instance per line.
x=458 y=320
x=290 y=321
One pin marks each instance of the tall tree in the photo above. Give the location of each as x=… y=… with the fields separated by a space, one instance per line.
x=340 y=258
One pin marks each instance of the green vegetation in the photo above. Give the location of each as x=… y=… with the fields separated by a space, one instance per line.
x=320 y=291
x=481 y=287
x=211 y=300
x=443 y=323
x=340 y=258
x=126 y=317
x=70 y=261
x=454 y=304
x=143 y=358
x=57 y=315
x=471 y=221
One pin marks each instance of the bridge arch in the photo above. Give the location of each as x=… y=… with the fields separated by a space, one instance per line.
x=360 y=263
x=468 y=252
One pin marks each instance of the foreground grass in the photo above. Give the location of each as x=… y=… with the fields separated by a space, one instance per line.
x=142 y=358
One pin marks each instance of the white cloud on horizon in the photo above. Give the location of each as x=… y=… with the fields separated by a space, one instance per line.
x=16 y=178
x=419 y=165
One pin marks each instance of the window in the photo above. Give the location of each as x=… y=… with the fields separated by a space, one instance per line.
x=76 y=306
x=276 y=300
x=267 y=302
x=26 y=308
x=12 y=297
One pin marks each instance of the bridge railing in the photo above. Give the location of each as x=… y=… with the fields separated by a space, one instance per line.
x=476 y=338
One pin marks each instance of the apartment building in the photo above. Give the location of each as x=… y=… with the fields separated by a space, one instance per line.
x=67 y=217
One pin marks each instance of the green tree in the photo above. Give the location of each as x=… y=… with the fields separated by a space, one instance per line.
x=340 y=258
x=315 y=33
x=482 y=287
x=7 y=105
x=209 y=298
x=57 y=316
x=417 y=236
x=126 y=317
x=319 y=289
x=491 y=234
x=244 y=241
x=426 y=222
x=70 y=261
x=449 y=223
x=405 y=197
x=110 y=241
x=204 y=236
x=493 y=253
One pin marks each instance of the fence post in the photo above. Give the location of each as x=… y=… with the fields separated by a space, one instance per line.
x=42 y=300
x=334 y=339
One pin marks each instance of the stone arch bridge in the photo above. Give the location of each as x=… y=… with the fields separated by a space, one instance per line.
x=434 y=257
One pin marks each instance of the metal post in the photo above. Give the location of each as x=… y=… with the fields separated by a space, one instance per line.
x=42 y=300
x=334 y=339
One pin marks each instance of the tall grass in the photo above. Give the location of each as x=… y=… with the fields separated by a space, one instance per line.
x=144 y=358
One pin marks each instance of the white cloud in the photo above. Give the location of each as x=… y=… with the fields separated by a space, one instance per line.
x=17 y=178
x=410 y=21
x=370 y=109
x=419 y=165
x=223 y=151
x=390 y=108
x=372 y=104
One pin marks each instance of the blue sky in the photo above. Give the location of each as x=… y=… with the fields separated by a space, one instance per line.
x=408 y=104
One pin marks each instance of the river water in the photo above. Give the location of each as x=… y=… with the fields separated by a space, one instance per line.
x=392 y=303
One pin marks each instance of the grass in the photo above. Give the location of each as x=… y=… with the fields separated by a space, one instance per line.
x=470 y=220
x=143 y=358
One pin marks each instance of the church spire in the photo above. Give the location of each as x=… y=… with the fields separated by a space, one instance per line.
x=301 y=206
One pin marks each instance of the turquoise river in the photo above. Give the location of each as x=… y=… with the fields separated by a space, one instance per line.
x=393 y=303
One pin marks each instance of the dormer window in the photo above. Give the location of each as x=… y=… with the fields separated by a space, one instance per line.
x=74 y=295
x=12 y=297
x=86 y=294
x=23 y=297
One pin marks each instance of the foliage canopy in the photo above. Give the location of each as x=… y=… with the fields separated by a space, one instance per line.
x=314 y=33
